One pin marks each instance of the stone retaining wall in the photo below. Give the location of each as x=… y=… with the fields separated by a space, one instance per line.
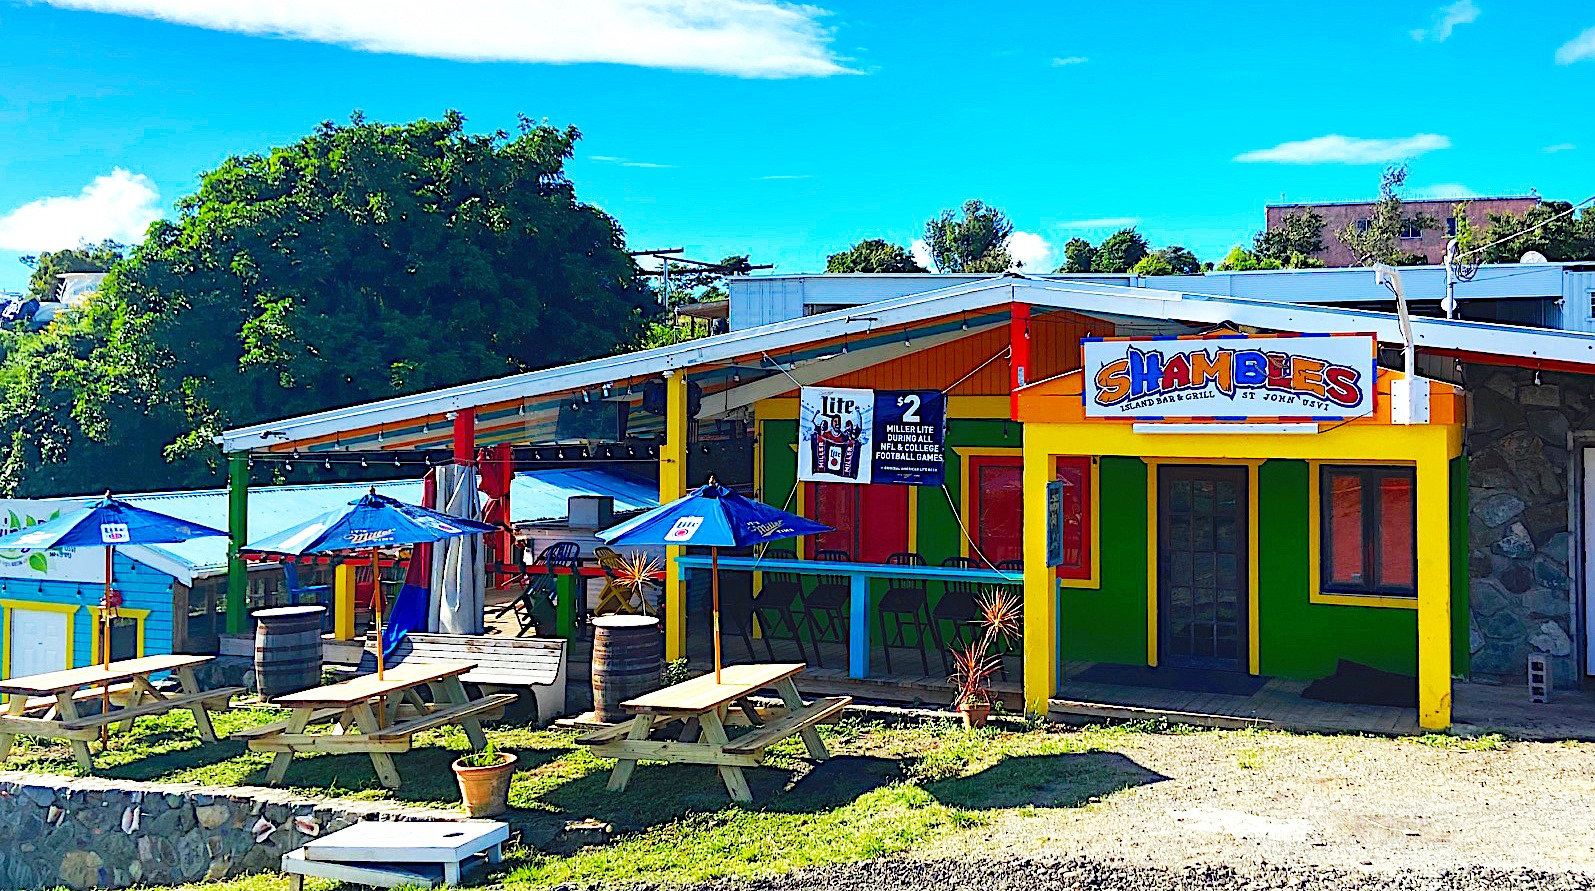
x=1520 y=548
x=95 y=833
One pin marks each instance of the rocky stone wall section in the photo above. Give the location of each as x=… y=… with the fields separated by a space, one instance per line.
x=95 y=833
x=1521 y=552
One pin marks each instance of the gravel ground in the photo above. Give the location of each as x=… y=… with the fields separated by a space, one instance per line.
x=1093 y=875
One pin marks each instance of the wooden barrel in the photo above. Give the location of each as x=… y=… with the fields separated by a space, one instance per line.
x=288 y=649
x=626 y=662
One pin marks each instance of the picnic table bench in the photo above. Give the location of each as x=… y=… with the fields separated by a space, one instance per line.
x=377 y=716
x=46 y=705
x=706 y=702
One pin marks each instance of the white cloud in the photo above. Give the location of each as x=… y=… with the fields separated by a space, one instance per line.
x=119 y=206
x=627 y=162
x=748 y=38
x=1334 y=149
x=1446 y=19
x=1065 y=61
x=1442 y=192
x=1030 y=251
x=1579 y=49
x=921 y=251
x=1100 y=223
x=1559 y=147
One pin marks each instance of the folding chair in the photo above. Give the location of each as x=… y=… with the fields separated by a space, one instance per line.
x=958 y=608
x=775 y=606
x=908 y=603
x=825 y=605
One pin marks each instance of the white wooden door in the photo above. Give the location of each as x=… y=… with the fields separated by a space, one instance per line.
x=38 y=641
x=1589 y=564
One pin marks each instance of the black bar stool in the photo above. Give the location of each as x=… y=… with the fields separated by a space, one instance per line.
x=825 y=605
x=908 y=603
x=1012 y=646
x=959 y=608
x=776 y=605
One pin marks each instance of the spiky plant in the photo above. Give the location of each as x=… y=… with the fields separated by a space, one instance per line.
x=975 y=664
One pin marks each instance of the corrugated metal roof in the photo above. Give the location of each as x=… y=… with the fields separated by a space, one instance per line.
x=534 y=495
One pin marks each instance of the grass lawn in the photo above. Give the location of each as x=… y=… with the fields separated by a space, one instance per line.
x=885 y=790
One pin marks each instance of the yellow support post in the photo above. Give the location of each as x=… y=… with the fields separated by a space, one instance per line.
x=1433 y=493
x=343 y=601
x=1040 y=595
x=673 y=485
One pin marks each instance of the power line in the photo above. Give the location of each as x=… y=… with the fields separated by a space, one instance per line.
x=1540 y=225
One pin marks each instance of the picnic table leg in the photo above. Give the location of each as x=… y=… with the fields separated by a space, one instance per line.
x=67 y=707
x=14 y=706
x=714 y=733
x=280 y=761
x=750 y=712
x=185 y=676
x=366 y=721
x=788 y=691
x=454 y=694
x=640 y=726
x=135 y=697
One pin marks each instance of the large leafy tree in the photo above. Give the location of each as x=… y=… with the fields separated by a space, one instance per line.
x=1077 y=255
x=1550 y=228
x=1294 y=241
x=976 y=241
x=1379 y=240
x=876 y=255
x=363 y=261
x=1120 y=251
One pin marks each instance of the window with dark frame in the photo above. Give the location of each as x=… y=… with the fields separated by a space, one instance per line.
x=1409 y=229
x=1368 y=537
x=1075 y=473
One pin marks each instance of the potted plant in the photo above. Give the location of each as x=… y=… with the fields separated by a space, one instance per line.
x=974 y=665
x=484 y=779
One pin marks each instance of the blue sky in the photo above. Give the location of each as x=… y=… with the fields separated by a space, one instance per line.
x=788 y=132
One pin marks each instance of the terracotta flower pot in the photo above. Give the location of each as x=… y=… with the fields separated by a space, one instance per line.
x=485 y=790
x=974 y=714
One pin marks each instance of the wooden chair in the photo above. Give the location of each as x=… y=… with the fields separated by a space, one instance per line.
x=958 y=609
x=620 y=596
x=907 y=602
x=775 y=605
x=543 y=587
x=825 y=605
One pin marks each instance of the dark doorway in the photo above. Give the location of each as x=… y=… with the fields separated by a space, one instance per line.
x=1202 y=547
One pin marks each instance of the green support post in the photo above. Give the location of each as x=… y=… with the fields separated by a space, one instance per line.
x=238 y=529
x=565 y=615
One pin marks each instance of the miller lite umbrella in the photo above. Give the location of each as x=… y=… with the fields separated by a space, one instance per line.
x=714 y=517
x=370 y=522
x=106 y=523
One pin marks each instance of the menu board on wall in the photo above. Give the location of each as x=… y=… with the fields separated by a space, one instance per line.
x=852 y=435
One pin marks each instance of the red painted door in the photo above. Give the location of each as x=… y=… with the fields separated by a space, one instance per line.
x=997 y=520
x=871 y=521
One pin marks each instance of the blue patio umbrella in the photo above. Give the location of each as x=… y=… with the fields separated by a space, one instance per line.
x=370 y=522
x=105 y=524
x=714 y=517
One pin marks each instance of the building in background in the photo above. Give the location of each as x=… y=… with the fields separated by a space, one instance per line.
x=1430 y=243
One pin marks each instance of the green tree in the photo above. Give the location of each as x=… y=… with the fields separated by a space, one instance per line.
x=975 y=242
x=83 y=258
x=1298 y=235
x=363 y=261
x=1153 y=264
x=1240 y=259
x=875 y=255
x=1549 y=227
x=1120 y=251
x=1077 y=255
x=1379 y=241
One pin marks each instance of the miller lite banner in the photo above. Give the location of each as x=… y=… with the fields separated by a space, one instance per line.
x=850 y=435
x=1231 y=377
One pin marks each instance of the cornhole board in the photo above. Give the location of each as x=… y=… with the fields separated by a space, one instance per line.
x=390 y=853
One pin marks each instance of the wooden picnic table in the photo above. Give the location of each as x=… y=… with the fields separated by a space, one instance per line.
x=46 y=705
x=377 y=716
x=707 y=703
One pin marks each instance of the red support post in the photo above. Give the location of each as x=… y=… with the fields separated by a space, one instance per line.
x=1019 y=354
x=465 y=436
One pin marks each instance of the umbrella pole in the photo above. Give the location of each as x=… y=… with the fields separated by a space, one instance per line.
x=105 y=644
x=376 y=605
x=714 y=587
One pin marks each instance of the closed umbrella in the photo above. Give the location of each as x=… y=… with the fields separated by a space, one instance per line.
x=370 y=522
x=105 y=524
x=714 y=517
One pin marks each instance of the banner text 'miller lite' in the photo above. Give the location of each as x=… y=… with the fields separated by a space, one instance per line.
x=1147 y=373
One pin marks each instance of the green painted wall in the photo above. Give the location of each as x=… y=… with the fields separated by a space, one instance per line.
x=1109 y=624
x=1298 y=638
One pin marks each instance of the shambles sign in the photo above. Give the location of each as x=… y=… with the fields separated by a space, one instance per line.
x=848 y=435
x=1232 y=377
